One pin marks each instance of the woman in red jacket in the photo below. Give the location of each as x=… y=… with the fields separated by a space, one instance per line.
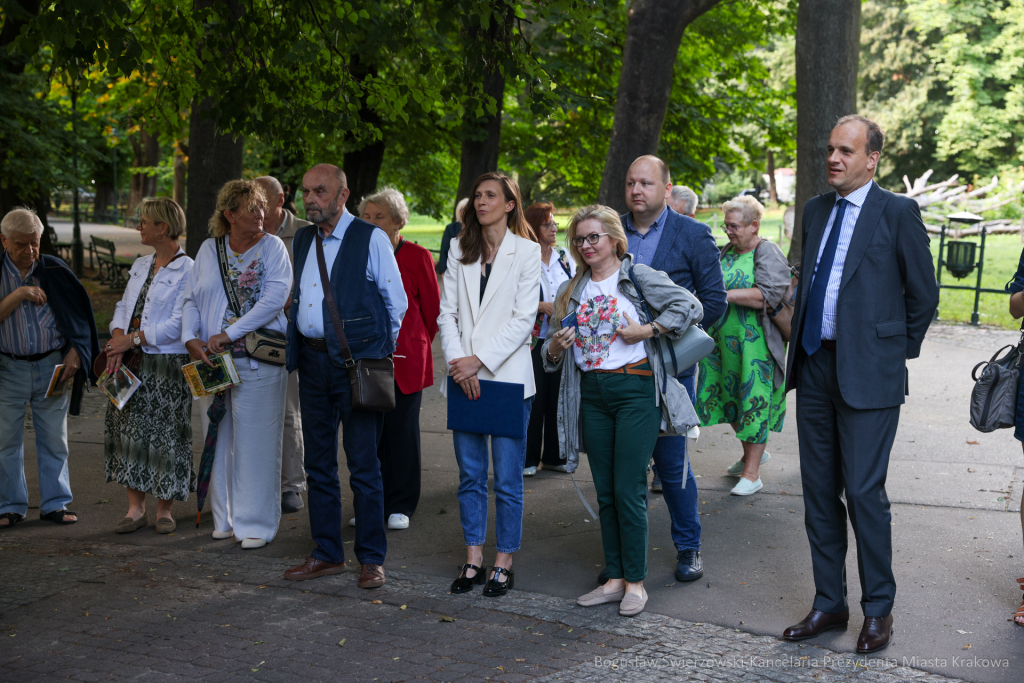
x=399 y=447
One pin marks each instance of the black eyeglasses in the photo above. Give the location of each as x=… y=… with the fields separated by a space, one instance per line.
x=590 y=239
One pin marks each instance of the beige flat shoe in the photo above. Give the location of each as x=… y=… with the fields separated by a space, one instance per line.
x=599 y=597
x=252 y=543
x=128 y=525
x=165 y=525
x=633 y=604
x=221 y=535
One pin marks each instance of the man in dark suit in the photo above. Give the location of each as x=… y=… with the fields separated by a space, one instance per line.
x=685 y=249
x=863 y=307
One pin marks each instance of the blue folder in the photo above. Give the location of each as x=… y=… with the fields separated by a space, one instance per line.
x=498 y=411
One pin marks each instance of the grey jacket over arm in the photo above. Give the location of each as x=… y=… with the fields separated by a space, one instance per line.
x=772 y=275
x=674 y=308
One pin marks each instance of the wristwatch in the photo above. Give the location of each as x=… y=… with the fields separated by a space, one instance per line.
x=136 y=340
x=656 y=331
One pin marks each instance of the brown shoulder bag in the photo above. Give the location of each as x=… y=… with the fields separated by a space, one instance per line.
x=373 y=379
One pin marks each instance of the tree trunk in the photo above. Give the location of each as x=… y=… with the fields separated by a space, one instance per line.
x=773 y=195
x=104 y=197
x=180 y=172
x=147 y=154
x=481 y=137
x=827 y=52
x=645 y=84
x=217 y=159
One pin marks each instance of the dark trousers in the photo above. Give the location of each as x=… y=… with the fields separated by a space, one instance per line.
x=399 y=454
x=542 y=433
x=325 y=399
x=845 y=448
x=669 y=457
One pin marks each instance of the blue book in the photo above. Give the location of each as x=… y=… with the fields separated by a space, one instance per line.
x=498 y=411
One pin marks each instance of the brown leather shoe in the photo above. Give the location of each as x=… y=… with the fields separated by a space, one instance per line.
x=875 y=635
x=815 y=623
x=371 y=576
x=313 y=568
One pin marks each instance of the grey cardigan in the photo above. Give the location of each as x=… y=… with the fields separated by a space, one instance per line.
x=771 y=275
x=675 y=309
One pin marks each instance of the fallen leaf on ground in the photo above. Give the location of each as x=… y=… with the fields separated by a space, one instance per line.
x=403 y=607
x=374 y=602
x=971 y=469
x=447 y=619
x=973 y=443
x=966 y=647
x=341 y=643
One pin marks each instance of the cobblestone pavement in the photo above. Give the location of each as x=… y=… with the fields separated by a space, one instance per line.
x=104 y=612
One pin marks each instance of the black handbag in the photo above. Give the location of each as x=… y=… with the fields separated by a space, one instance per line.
x=373 y=379
x=265 y=345
x=994 y=396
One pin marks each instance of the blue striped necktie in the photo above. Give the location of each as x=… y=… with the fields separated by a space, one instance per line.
x=815 y=311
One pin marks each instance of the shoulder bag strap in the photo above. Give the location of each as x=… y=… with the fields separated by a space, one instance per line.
x=229 y=289
x=325 y=283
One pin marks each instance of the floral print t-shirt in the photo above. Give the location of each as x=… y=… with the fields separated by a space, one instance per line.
x=603 y=309
x=247 y=275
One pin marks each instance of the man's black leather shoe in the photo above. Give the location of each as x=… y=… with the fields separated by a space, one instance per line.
x=690 y=567
x=815 y=623
x=875 y=635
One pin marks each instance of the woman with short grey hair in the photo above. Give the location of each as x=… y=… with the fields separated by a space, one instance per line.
x=398 y=449
x=148 y=443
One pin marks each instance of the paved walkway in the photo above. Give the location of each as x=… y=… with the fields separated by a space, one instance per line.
x=80 y=602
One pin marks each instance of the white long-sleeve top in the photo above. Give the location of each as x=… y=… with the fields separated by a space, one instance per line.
x=161 y=314
x=205 y=301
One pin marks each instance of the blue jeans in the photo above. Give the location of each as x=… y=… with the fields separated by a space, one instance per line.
x=325 y=400
x=23 y=382
x=669 y=456
x=509 y=457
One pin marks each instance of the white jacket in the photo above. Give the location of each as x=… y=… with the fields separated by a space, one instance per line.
x=497 y=328
x=161 y=314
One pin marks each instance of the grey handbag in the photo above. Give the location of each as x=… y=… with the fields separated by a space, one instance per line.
x=994 y=397
x=677 y=354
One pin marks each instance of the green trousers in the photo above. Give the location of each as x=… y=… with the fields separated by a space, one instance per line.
x=620 y=430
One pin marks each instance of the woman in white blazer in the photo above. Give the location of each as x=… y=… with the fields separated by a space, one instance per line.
x=148 y=444
x=488 y=310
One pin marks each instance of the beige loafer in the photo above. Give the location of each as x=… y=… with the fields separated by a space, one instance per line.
x=128 y=525
x=633 y=604
x=599 y=597
x=222 y=535
x=252 y=543
x=165 y=525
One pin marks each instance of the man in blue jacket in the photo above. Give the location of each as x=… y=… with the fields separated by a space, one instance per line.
x=366 y=285
x=683 y=248
x=46 y=320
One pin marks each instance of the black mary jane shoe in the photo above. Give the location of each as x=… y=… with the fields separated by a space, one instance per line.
x=496 y=588
x=464 y=584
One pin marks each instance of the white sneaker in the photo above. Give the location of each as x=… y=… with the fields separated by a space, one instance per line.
x=746 y=487
x=736 y=469
x=352 y=522
x=252 y=543
x=398 y=521
x=221 y=535
x=529 y=471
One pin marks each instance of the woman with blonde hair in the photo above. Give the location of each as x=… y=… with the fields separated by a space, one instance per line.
x=615 y=393
x=742 y=382
x=488 y=308
x=148 y=443
x=245 y=488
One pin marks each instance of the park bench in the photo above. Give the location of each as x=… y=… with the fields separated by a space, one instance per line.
x=112 y=268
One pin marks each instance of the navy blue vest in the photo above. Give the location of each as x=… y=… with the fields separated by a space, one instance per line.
x=361 y=308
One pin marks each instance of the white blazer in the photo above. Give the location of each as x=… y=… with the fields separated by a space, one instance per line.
x=496 y=329
x=161 y=314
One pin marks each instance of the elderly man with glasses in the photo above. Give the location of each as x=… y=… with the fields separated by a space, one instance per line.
x=46 y=324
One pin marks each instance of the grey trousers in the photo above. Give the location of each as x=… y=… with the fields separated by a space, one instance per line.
x=845 y=448
x=293 y=472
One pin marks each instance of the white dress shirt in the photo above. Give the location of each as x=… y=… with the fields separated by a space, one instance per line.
x=381 y=268
x=855 y=201
x=551 y=276
x=161 y=314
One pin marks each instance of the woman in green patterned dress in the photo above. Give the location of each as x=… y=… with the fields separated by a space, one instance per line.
x=742 y=382
x=148 y=444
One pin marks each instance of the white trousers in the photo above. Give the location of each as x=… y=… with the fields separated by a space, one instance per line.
x=245 y=488
x=293 y=471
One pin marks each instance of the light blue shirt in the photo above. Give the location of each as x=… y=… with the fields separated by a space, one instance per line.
x=856 y=200
x=643 y=247
x=381 y=268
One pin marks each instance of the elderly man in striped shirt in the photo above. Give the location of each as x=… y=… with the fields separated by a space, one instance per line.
x=46 y=322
